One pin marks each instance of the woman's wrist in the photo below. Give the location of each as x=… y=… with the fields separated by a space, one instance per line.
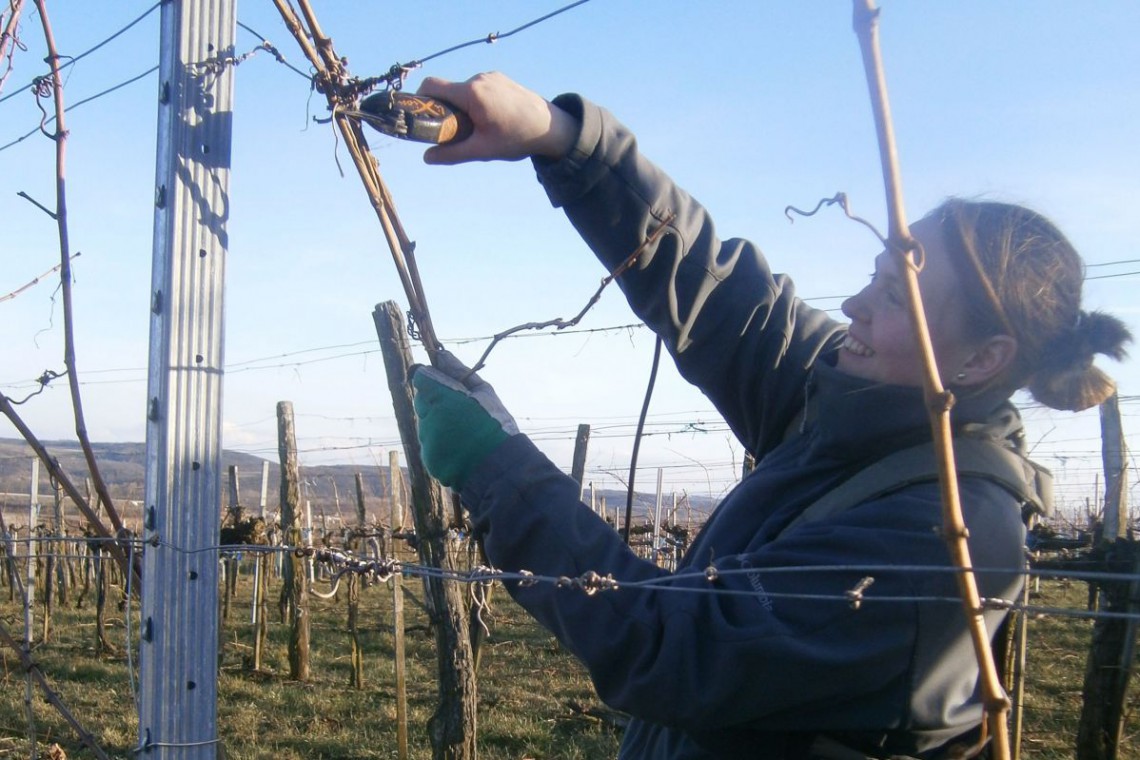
x=560 y=137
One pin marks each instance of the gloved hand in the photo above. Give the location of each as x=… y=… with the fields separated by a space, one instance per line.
x=460 y=421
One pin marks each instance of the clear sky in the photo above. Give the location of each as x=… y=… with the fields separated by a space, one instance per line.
x=751 y=106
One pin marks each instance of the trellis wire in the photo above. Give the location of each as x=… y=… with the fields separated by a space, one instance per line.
x=592 y=581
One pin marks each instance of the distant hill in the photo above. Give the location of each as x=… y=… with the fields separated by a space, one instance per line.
x=331 y=489
x=123 y=467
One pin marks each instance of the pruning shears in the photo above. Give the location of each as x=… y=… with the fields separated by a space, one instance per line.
x=414 y=117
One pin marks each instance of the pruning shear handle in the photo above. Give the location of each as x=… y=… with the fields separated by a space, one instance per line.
x=414 y=117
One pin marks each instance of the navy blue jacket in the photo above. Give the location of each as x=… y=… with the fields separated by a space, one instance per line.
x=778 y=656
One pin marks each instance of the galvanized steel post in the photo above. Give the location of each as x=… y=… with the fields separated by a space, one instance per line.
x=178 y=631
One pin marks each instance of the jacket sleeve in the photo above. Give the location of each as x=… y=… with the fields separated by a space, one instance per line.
x=768 y=638
x=735 y=330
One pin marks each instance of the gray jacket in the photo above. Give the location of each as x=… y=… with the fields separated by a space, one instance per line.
x=777 y=656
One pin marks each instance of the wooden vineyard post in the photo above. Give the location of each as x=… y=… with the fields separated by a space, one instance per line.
x=296 y=587
x=230 y=563
x=30 y=557
x=102 y=588
x=1109 y=665
x=67 y=567
x=11 y=570
x=361 y=511
x=261 y=581
x=452 y=727
x=655 y=544
x=354 y=592
x=578 y=468
x=395 y=503
x=260 y=611
x=53 y=567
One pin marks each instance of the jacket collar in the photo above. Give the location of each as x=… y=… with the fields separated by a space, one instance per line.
x=854 y=418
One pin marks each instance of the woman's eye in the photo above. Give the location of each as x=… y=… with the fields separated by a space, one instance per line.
x=894 y=297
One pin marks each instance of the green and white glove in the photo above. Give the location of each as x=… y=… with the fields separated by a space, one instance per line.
x=460 y=421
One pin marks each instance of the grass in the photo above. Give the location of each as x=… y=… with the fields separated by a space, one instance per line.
x=1055 y=670
x=526 y=683
x=527 y=686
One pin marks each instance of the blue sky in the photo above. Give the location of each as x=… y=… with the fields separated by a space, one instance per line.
x=751 y=106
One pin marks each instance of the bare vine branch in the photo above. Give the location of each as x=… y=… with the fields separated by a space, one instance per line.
x=562 y=324
x=38 y=205
x=9 y=41
x=332 y=80
x=60 y=138
x=839 y=199
x=938 y=400
x=36 y=281
x=34 y=672
x=57 y=474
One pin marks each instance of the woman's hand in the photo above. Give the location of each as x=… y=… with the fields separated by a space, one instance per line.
x=510 y=122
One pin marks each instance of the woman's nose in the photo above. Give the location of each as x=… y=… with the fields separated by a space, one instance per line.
x=854 y=307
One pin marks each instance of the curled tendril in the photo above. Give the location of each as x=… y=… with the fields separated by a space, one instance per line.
x=839 y=199
x=47 y=376
x=43 y=85
x=413 y=327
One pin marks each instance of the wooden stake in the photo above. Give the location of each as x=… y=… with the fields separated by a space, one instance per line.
x=261 y=581
x=296 y=590
x=396 y=510
x=578 y=468
x=1108 y=668
x=452 y=727
x=354 y=592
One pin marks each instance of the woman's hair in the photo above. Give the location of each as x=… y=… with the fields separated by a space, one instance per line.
x=1023 y=278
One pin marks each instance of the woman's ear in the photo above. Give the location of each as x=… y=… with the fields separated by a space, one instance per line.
x=988 y=361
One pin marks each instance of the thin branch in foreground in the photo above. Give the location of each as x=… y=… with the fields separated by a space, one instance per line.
x=8 y=39
x=33 y=670
x=57 y=474
x=900 y=242
x=839 y=199
x=37 y=280
x=332 y=80
x=562 y=324
x=38 y=205
x=60 y=138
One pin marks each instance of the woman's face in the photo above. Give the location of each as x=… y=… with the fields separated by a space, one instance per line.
x=881 y=344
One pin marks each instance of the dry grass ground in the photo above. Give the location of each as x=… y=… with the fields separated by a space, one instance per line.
x=528 y=687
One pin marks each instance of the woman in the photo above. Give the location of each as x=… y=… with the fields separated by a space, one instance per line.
x=762 y=669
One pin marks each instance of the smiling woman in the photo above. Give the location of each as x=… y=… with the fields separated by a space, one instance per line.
x=780 y=668
x=1026 y=100
x=1001 y=287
